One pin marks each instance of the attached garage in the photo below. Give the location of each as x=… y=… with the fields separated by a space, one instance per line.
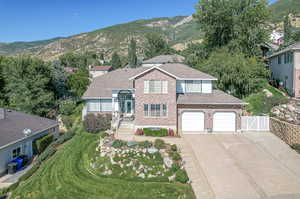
x=224 y=122
x=192 y=122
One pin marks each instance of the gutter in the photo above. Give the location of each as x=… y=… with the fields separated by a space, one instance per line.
x=24 y=138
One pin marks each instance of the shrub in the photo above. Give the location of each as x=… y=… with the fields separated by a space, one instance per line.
x=296 y=147
x=181 y=176
x=43 y=142
x=139 y=132
x=175 y=167
x=155 y=132
x=118 y=144
x=46 y=154
x=103 y=135
x=171 y=132
x=67 y=121
x=67 y=107
x=145 y=144
x=95 y=123
x=174 y=147
x=159 y=144
x=175 y=156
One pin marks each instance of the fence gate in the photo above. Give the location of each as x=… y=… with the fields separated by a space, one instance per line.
x=255 y=123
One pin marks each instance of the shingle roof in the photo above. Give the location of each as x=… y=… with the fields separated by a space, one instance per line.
x=12 y=126
x=295 y=46
x=163 y=59
x=100 y=68
x=102 y=86
x=179 y=71
x=216 y=97
x=182 y=71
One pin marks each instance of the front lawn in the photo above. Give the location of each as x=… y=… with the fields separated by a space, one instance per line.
x=67 y=175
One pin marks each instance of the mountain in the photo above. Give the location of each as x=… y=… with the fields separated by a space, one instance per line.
x=178 y=31
x=281 y=8
x=20 y=46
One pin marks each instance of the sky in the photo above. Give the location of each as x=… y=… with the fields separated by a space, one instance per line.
x=29 y=20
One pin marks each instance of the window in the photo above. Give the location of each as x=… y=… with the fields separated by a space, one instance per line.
x=279 y=59
x=16 y=152
x=193 y=86
x=102 y=105
x=155 y=86
x=155 y=110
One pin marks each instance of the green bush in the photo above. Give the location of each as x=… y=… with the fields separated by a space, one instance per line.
x=181 y=176
x=145 y=144
x=43 y=142
x=175 y=167
x=175 y=156
x=174 y=147
x=46 y=154
x=118 y=144
x=67 y=107
x=155 y=132
x=296 y=147
x=103 y=135
x=159 y=144
x=96 y=123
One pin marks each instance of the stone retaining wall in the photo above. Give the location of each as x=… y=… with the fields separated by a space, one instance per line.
x=289 y=133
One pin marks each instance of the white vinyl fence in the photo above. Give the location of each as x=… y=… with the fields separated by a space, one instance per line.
x=255 y=123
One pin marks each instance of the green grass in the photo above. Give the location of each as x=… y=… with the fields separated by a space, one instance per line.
x=66 y=175
x=260 y=104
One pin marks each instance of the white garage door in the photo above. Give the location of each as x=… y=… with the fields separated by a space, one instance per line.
x=224 y=122
x=193 y=121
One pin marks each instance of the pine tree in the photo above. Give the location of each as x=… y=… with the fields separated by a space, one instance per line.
x=132 y=58
x=287 y=28
x=115 y=61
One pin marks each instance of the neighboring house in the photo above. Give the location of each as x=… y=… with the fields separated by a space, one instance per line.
x=285 y=67
x=163 y=59
x=18 y=131
x=96 y=71
x=276 y=37
x=172 y=95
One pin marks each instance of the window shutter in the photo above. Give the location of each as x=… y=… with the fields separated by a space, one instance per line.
x=165 y=87
x=146 y=86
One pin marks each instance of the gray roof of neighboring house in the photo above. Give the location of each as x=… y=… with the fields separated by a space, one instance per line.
x=295 y=46
x=102 y=86
x=163 y=59
x=12 y=126
x=216 y=97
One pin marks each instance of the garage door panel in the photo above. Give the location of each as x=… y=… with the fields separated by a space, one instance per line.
x=224 y=121
x=193 y=121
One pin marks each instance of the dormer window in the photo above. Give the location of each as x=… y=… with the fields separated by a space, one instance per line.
x=193 y=86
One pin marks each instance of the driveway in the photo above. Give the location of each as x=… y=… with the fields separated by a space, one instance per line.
x=247 y=166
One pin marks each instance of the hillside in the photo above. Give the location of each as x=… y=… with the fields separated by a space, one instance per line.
x=176 y=30
x=281 y=8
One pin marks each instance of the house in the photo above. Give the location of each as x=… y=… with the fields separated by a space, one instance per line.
x=163 y=59
x=285 y=67
x=18 y=131
x=277 y=37
x=172 y=95
x=96 y=71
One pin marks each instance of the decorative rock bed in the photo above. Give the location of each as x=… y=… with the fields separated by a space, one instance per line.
x=288 y=112
x=144 y=161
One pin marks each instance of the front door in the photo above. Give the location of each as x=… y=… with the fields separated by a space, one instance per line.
x=128 y=107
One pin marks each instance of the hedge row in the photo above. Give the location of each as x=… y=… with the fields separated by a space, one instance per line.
x=47 y=153
x=155 y=132
x=43 y=142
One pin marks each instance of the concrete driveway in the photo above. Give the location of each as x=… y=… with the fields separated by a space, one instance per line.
x=247 y=166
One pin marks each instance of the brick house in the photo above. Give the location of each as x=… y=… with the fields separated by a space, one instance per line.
x=167 y=95
x=285 y=68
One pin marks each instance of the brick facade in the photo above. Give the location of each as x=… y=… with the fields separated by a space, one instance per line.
x=289 y=133
x=209 y=111
x=170 y=99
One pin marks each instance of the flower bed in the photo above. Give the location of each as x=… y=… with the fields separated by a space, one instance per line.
x=144 y=161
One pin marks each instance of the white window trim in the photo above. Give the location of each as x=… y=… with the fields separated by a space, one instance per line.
x=161 y=111
x=193 y=81
x=162 y=86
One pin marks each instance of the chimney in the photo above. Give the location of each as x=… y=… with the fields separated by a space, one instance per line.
x=2 y=113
